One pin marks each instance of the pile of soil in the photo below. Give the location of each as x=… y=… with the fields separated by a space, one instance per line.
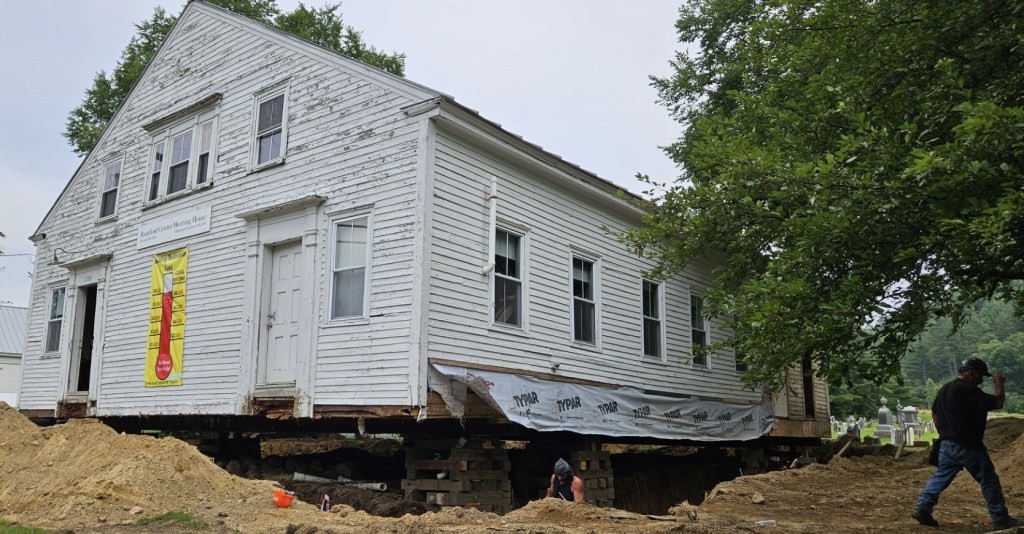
x=85 y=477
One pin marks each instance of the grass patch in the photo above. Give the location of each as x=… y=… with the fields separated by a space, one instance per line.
x=7 y=527
x=180 y=519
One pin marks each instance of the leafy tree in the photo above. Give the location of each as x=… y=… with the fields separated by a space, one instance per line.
x=861 y=397
x=323 y=27
x=1006 y=357
x=85 y=123
x=854 y=164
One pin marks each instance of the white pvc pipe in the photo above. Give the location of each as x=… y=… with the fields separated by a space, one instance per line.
x=493 y=199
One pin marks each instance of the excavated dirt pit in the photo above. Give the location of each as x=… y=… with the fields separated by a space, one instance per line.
x=84 y=477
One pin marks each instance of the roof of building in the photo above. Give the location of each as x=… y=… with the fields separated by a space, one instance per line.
x=12 y=329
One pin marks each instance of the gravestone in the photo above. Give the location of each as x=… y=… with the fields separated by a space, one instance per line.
x=911 y=424
x=885 y=421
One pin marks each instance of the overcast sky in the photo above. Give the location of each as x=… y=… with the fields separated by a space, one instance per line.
x=568 y=75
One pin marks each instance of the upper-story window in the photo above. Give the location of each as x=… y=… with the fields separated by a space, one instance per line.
x=741 y=358
x=652 y=330
x=55 y=319
x=698 y=330
x=584 y=304
x=271 y=128
x=350 y=268
x=181 y=156
x=111 y=182
x=508 y=278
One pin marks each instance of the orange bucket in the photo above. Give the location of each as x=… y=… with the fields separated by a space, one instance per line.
x=282 y=498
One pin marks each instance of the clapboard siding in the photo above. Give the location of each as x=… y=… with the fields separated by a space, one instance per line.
x=351 y=149
x=558 y=221
x=347 y=141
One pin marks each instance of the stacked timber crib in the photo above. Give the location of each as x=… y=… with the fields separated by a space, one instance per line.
x=459 y=472
x=595 y=469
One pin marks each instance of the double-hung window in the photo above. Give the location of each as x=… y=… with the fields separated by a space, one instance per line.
x=350 y=268
x=111 y=182
x=508 y=278
x=652 y=331
x=271 y=129
x=698 y=330
x=584 y=304
x=741 y=359
x=181 y=156
x=55 y=319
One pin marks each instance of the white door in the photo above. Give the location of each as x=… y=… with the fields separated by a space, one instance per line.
x=281 y=320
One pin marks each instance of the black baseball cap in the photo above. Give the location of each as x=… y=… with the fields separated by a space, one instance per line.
x=975 y=364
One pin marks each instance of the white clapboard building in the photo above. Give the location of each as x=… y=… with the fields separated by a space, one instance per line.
x=266 y=228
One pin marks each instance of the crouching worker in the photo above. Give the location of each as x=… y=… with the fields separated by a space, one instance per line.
x=565 y=484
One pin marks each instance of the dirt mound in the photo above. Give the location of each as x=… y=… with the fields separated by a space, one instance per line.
x=84 y=476
x=868 y=492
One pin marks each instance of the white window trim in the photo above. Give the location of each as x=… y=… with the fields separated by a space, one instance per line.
x=254 y=151
x=166 y=136
x=104 y=165
x=523 y=234
x=663 y=354
x=596 y=261
x=335 y=220
x=63 y=316
x=707 y=333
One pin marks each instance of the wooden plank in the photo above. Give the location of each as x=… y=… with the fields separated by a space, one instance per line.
x=436 y=465
x=435 y=485
x=478 y=474
x=328 y=411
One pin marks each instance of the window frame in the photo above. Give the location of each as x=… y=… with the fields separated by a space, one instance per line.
x=254 y=139
x=520 y=279
x=740 y=365
x=594 y=300
x=336 y=224
x=704 y=362
x=50 y=319
x=659 y=291
x=159 y=190
x=116 y=161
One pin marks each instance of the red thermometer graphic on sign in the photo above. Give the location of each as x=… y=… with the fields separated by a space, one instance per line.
x=163 y=358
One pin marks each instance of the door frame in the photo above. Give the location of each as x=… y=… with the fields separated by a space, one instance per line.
x=92 y=271
x=263 y=346
x=266 y=228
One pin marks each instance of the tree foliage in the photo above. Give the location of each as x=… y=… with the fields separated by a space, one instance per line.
x=323 y=27
x=856 y=165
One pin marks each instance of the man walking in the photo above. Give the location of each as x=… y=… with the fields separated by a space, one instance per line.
x=960 y=411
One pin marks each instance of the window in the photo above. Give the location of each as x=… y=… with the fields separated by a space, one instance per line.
x=741 y=364
x=111 y=180
x=584 y=318
x=180 y=156
x=741 y=359
x=652 y=318
x=349 y=291
x=55 y=319
x=508 y=278
x=698 y=330
x=270 y=129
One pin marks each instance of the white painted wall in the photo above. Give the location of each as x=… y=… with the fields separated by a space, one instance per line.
x=348 y=141
x=351 y=148
x=559 y=216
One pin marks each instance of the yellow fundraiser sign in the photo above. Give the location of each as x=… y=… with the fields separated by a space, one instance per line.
x=165 y=345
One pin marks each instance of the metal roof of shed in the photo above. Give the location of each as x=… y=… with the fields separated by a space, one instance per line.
x=12 y=329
